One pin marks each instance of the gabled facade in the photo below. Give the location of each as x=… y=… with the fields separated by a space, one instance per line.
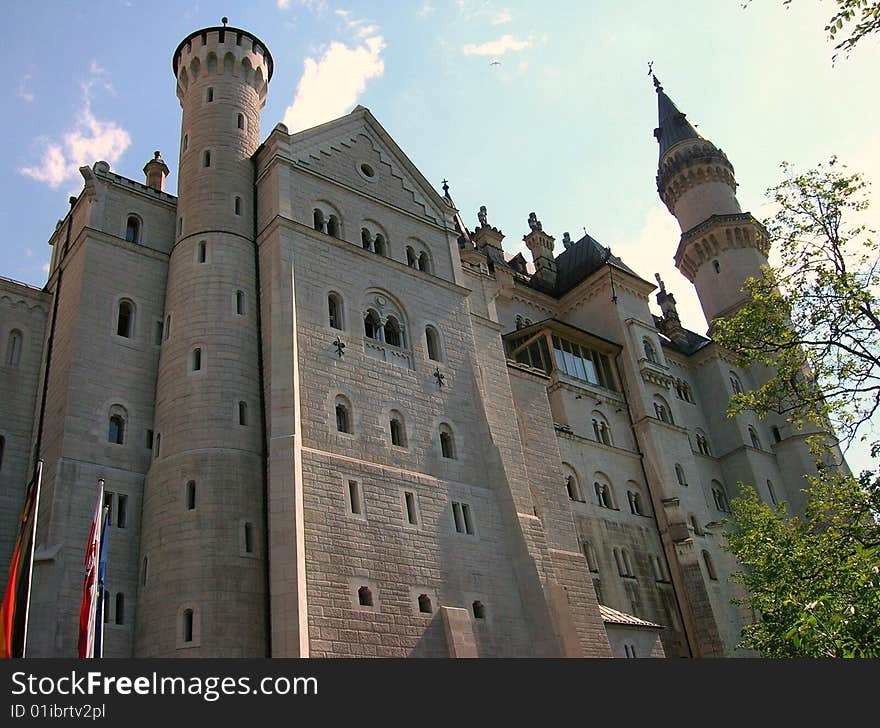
x=333 y=420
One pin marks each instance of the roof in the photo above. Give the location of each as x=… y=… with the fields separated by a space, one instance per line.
x=581 y=260
x=612 y=616
x=672 y=125
x=692 y=344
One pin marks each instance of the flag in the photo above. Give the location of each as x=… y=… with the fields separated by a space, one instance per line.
x=102 y=591
x=13 y=614
x=86 y=642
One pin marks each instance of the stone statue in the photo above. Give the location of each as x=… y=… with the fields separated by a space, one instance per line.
x=566 y=240
x=482 y=216
x=534 y=222
x=666 y=301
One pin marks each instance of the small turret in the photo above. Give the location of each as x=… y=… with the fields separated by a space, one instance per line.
x=156 y=171
x=541 y=246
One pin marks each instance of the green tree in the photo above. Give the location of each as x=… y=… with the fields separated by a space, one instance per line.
x=815 y=582
x=859 y=18
x=814 y=319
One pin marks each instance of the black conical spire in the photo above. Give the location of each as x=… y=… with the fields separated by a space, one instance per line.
x=673 y=126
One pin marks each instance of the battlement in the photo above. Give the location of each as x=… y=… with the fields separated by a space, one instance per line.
x=222 y=50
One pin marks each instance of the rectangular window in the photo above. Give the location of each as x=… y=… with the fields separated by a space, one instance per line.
x=108 y=504
x=149 y=442
x=461 y=517
x=355 y=498
x=248 y=538
x=411 y=507
x=157 y=333
x=121 y=510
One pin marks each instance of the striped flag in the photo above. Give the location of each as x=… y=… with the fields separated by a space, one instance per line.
x=87 y=608
x=14 y=612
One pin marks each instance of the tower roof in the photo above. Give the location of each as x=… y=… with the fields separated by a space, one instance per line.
x=672 y=125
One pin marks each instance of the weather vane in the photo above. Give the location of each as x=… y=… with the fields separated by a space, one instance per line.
x=650 y=67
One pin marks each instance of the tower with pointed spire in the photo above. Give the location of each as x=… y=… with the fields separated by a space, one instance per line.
x=721 y=246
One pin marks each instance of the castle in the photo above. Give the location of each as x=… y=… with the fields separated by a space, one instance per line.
x=336 y=421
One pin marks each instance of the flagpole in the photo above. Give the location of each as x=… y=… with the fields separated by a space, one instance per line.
x=27 y=604
x=103 y=587
x=100 y=533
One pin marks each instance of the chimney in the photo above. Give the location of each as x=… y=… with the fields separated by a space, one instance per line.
x=156 y=171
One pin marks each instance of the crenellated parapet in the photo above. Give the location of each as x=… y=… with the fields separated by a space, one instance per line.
x=689 y=165
x=220 y=51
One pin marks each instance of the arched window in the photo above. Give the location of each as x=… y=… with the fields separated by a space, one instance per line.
x=717 y=266
x=635 y=503
x=590 y=556
x=191 y=495
x=133 y=229
x=196 y=359
x=604 y=495
x=601 y=429
x=366 y=239
x=335 y=311
x=753 y=436
x=702 y=443
x=771 y=492
x=206 y=158
x=777 y=437
x=479 y=610
x=209 y=94
x=365 y=596
x=333 y=228
x=411 y=259
x=125 y=319
x=571 y=487
x=425 y=604
x=393 y=332
x=424 y=262
x=695 y=525
x=372 y=325
x=679 y=475
x=661 y=409
x=650 y=350
x=242 y=413
x=735 y=385
x=240 y=121
x=239 y=303
x=187 y=625
x=398 y=429
x=719 y=495
x=343 y=415
x=13 y=348
x=318 y=220
x=432 y=339
x=237 y=205
x=116 y=428
x=518 y=322
x=120 y=608
x=710 y=567
x=447 y=442
x=379 y=245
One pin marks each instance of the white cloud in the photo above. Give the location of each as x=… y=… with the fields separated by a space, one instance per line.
x=283 y=4
x=497 y=47
x=425 y=10
x=502 y=17
x=88 y=141
x=652 y=252
x=329 y=87
x=315 y=6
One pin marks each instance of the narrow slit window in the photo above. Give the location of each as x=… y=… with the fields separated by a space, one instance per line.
x=188 y=625
x=125 y=319
x=121 y=510
x=248 y=538
x=120 y=608
x=242 y=413
x=411 y=507
x=203 y=251
x=355 y=501
x=239 y=303
x=237 y=205
x=196 y=360
x=191 y=495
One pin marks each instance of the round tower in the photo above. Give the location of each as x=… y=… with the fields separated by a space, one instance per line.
x=721 y=246
x=203 y=561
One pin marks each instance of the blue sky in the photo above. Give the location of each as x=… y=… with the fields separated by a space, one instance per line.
x=562 y=126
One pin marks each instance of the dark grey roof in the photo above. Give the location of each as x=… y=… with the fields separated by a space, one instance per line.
x=583 y=259
x=672 y=124
x=692 y=345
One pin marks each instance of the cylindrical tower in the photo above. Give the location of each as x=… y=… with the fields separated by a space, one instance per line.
x=203 y=561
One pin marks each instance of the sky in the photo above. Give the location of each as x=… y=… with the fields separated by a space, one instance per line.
x=522 y=106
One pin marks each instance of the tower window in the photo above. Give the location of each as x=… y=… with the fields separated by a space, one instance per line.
x=447 y=442
x=717 y=266
x=179 y=226
x=650 y=351
x=411 y=507
x=121 y=510
x=380 y=246
x=432 y=339
x=372 y=325
x=343 y=415
x=635 y=503
x=206 y=158
x=411 y=259
x=710 y=567
x=355 y=498
x=318 y=220
x=13 y=348
x=777 y=437
x=424 y=263
x=393 y=332
x=590 y=556
x=720 y=497
x=187 y=625
x=185 y=141
x=202 y=254
x=334 y=310
x=753 y=436
x=604 y=497
x=679 y=475
x=461 y=518
x=239 y=303
x=116 y=431
x=771 y=492
x=133 y=229
x=209 y=94
x=242 y=413
x=2 y=450
x=120 y=608
x=196 y=360
x=146 y=569
x=167 y=327
x=248 y=538
x=365 y=596
x=240 y=121
x=191 y=495
x=333 y=226
x=425 y=604
x=479 y=610
x=398 y=430
x=237 y=205
x=125 y=319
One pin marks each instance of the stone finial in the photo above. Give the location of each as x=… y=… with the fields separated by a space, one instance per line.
x=534 y=222
x=566 y=240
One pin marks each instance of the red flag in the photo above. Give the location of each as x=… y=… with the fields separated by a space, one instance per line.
x=87 y=607
x=13 y=614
